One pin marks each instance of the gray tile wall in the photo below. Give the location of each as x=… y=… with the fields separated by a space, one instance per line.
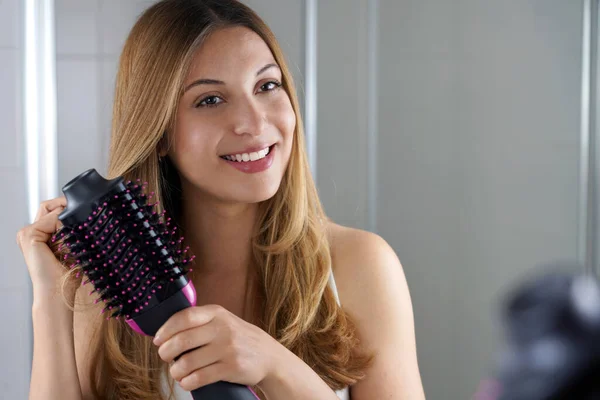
x=15 y=336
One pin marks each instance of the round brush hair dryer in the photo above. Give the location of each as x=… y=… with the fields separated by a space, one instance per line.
x=552 y=331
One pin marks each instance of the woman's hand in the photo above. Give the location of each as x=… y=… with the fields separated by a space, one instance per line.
x=44 y=269
x=227 y=348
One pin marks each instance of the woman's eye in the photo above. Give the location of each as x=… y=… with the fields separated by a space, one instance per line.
x=210 y=101
x=271 y=85
x=213 y=101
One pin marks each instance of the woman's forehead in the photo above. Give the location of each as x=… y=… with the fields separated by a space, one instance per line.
x=229 y=52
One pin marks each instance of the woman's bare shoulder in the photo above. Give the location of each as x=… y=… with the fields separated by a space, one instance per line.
x=360 y=258
x=353 y=248
x=373 y=290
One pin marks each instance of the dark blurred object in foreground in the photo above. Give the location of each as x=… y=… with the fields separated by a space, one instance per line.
x=552 y=349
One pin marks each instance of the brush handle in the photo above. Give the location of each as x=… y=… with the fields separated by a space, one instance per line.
x=149 y=322
x=224 y=391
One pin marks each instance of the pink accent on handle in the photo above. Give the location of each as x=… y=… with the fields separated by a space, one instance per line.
x=135 y=327
x=255 y=395
x=190 y=293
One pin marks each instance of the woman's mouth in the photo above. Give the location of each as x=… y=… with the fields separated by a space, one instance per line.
x=248 y=157
x=257 y=161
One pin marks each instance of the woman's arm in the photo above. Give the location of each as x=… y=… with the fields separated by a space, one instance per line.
x=54 y=373
x=373 y=291
x=54 y=370
x=295 y=380
x=62 y=347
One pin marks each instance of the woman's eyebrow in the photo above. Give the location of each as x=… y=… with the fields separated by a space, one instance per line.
x=208 y=81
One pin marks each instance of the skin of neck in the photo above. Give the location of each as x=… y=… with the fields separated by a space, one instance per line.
x=218 y=233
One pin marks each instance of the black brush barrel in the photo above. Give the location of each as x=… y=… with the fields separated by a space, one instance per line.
x=83 y=194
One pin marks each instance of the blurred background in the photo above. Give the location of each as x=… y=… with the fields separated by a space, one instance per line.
x=463 y=132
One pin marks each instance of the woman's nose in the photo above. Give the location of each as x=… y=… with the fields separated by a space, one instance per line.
x=249 y=119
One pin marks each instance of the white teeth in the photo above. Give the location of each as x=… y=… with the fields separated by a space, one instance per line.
x=257 y=155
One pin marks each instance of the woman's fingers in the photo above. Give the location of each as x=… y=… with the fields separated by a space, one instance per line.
x=40 y=231
x=48 y=206
x=186 y=340
x=198 y=359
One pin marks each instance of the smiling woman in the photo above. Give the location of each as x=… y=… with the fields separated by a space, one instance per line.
x=234 y=105
x=206 y=112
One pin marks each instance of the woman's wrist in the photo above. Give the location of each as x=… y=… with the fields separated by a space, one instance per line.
x=292 y=378
x=46 y=299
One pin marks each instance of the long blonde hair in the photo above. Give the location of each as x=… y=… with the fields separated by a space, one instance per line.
x=291 y=250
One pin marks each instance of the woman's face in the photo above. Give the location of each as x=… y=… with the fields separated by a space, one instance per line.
x=235 y=123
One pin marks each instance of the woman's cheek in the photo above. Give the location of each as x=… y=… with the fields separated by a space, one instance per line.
x=286 y=118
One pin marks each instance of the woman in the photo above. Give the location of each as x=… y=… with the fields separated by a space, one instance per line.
x=206 y=112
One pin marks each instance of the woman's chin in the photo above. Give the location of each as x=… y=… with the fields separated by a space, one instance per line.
x=253 y=195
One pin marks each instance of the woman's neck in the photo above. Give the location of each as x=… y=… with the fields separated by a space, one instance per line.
x=220 y=235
